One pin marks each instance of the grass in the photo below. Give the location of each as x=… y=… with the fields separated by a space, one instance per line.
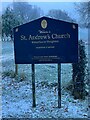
x=20 y=77
x=9 y=74
x=43 y=72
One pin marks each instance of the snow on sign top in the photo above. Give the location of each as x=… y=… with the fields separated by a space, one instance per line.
x=46 y=40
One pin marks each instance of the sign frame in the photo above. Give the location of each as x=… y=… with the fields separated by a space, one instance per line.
x=43 y=45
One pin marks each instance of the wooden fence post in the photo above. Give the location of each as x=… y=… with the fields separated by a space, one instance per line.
x=59 y=85
x=33 y=85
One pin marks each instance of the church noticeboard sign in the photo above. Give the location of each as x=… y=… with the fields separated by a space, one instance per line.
x=46 y=40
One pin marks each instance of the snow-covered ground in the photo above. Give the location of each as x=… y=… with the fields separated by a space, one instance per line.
x=17 y=96
x=17 y=102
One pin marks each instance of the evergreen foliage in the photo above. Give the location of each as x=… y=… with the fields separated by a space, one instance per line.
x=78 y=75
x=9 y=21
x=16 y=14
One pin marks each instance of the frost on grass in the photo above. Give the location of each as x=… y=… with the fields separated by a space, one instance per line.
x=17 y=94
x=17 y=101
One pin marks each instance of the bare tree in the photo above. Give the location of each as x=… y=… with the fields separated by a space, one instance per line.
x=25 y=11
x=83 y=9
x=16 y=14
x=59 y=14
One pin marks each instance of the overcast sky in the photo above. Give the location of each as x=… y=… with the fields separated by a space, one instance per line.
x=44 y=0
x=68 y=6
x=46 y=6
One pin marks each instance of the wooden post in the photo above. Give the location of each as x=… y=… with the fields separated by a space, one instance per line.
x=33 y=86
x=16 y=69
x=59 y=85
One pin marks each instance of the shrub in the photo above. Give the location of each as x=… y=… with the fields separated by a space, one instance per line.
x=20 y=77
x=78 y=75
x=8 y=73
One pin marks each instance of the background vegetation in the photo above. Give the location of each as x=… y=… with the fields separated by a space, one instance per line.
x=21 y=12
